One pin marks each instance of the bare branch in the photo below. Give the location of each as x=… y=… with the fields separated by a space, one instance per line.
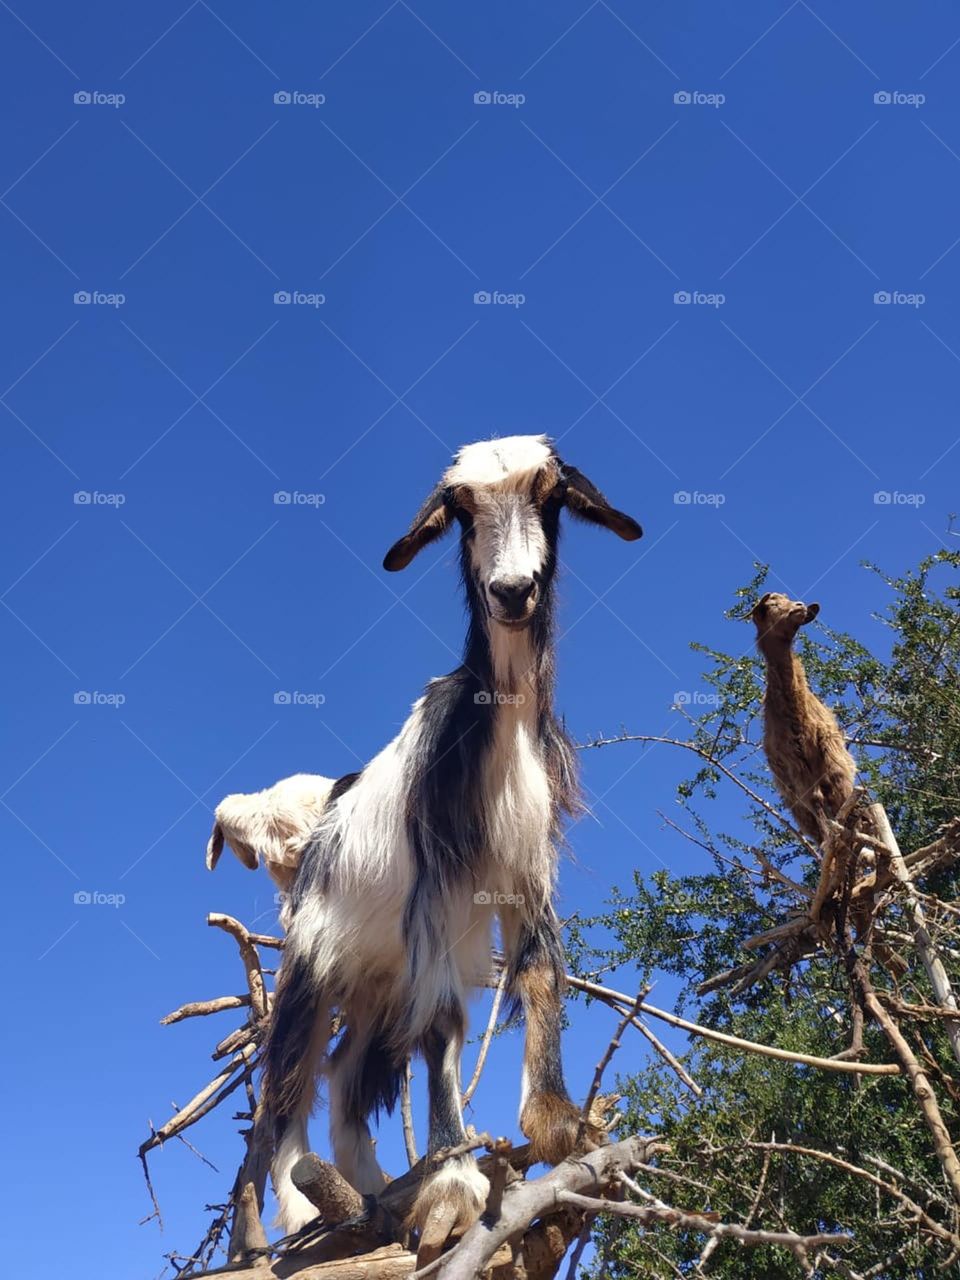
x=651 y=1214
x=736 y=1042
x=487 y=1037
x=611 y=1049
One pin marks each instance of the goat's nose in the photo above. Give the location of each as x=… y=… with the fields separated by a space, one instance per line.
x=513 y=591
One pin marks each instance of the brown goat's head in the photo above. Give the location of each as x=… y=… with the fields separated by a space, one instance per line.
x=777 y=617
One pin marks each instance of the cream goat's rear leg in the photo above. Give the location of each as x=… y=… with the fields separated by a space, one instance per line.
x=294 y=1209
x=362 y=1078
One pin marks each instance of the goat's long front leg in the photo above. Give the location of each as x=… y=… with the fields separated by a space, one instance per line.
x=452 y=1198
x=548 y=1117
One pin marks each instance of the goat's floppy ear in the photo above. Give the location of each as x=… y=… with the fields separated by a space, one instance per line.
x=812 y=611
x=214 y=846
x=430 y=522
x=586 y=501
x=245 y=852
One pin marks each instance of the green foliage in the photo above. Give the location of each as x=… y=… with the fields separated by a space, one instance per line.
x=901 y=708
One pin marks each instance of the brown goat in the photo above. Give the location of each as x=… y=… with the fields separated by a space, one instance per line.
x=803 y=742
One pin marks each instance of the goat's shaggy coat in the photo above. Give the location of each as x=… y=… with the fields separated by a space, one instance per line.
x=803 y=742
x=452 y=824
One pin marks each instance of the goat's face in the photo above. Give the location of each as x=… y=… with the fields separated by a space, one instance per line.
x=507 y=496
x=777 y=616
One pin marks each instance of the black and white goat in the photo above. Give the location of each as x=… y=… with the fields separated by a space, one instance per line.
x=453 y=823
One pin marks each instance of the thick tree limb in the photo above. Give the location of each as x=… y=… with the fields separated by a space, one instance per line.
x=925 y=945
x=392 y=1262
x=526 y=1201
x=922 y=1090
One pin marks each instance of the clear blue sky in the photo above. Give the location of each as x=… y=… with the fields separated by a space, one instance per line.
x=598 y=198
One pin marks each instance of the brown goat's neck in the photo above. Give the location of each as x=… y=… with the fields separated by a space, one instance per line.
x=786 y=678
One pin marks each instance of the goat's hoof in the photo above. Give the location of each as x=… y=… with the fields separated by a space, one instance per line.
x=556 y=1128
x=448 y=1203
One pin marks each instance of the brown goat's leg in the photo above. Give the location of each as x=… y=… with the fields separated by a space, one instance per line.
x=548 y=1117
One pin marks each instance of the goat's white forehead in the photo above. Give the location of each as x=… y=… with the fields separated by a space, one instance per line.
x=492 y=462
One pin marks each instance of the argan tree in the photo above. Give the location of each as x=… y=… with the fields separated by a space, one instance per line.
x=766 y=1141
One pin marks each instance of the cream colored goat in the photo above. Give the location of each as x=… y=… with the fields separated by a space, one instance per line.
x=275 y=824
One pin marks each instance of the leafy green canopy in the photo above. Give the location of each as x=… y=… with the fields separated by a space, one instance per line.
x=902 y=712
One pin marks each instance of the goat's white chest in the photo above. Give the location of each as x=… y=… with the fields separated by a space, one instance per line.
x=518 y=800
